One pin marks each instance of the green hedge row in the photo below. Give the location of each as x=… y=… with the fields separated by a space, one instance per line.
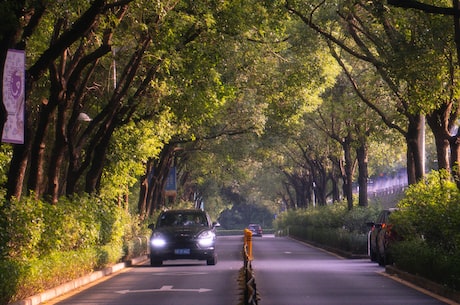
x=426 y=228
x=340 y=239
x=333 y=226
x=44 y=245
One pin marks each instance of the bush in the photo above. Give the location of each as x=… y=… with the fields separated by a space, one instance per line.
x=334 y=226
x=427 y=224
x=10 y=277
x=22 y=225
x=340 y=239
x=417 y=257
x=49 y=271
x=43 y=245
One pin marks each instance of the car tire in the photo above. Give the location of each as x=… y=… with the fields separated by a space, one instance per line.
x=211 y=261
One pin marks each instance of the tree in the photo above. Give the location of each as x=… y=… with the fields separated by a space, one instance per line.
x=442 y=120
x=60 y=42
x=371 y=34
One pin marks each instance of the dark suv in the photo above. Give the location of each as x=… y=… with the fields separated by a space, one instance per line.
x=183 y=234
x=380 y=236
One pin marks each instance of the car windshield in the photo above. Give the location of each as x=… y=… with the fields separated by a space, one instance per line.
x=182 y=219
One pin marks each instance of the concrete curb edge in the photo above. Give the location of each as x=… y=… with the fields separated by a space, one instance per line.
x=424 y=283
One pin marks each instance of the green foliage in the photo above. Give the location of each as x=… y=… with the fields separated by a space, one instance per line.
x=334 y=216
x=242 y=214
x=428 y=225
x=336 y=238
x=332 y=226
x=5 y=158
x=431 y=211
x=417 y=257
x=45 y=245
x=10 y=273
x=22 y=225
x=33 y=228
x=131 y=147
x=47 y=272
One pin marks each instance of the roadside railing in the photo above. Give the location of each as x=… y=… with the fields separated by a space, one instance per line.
x=250 y=290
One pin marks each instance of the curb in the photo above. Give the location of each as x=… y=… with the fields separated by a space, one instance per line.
x=424 y=283
x=77 y=283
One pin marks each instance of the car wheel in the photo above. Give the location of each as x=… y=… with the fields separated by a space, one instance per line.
x=155 y=262
x=211 y=261
x=387 y=257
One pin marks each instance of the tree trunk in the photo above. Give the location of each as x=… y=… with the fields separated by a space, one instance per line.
x=347 y=171
x=438 y=121
x=319 y=182
x=156 y=196
x=145 y=187
x=17 y=171
x=363 y=174
x=57 y=156
x=35 y=180
x=93 y=177
x=335 y=177
x=455 y=157
x=415 y=168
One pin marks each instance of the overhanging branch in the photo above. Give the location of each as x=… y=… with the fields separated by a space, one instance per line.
x=427 y=8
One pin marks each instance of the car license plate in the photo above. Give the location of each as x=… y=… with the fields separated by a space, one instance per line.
x=182 y=251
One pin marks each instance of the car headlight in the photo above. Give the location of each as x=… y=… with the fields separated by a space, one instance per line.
x=157 y=241
x=206 y=238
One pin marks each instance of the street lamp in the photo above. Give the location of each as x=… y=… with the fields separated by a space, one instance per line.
x=84 y=117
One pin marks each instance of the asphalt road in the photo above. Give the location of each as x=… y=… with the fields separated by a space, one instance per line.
x=286 y=272
x=178 y=282
x=291 y=273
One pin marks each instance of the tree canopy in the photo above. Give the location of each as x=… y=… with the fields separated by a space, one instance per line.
x=274 y=103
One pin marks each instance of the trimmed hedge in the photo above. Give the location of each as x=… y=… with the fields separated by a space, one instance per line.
x=333 y=226
x=43 y=245
x=352 y=242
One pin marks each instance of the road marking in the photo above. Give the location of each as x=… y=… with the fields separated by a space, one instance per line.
x=164 y=288
x=180 y=273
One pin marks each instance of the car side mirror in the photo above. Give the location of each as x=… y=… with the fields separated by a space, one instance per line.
x=151 y=226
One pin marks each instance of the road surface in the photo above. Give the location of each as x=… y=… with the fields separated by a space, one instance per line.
x=286 y=272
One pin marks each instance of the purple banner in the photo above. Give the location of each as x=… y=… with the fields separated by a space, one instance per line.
x=13 y=96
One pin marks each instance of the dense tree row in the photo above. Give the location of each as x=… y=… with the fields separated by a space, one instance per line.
x=276 y=101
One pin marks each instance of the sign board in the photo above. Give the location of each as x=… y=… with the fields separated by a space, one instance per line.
x=171 y=183
x=171 y=187
x=14 y=96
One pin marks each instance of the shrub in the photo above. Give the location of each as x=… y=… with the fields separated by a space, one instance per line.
x=417 y=257
x=10 y=277
x=51 y=270
x=43 y=245
x=428 y=225
x=334 y=226
x=431 y=211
